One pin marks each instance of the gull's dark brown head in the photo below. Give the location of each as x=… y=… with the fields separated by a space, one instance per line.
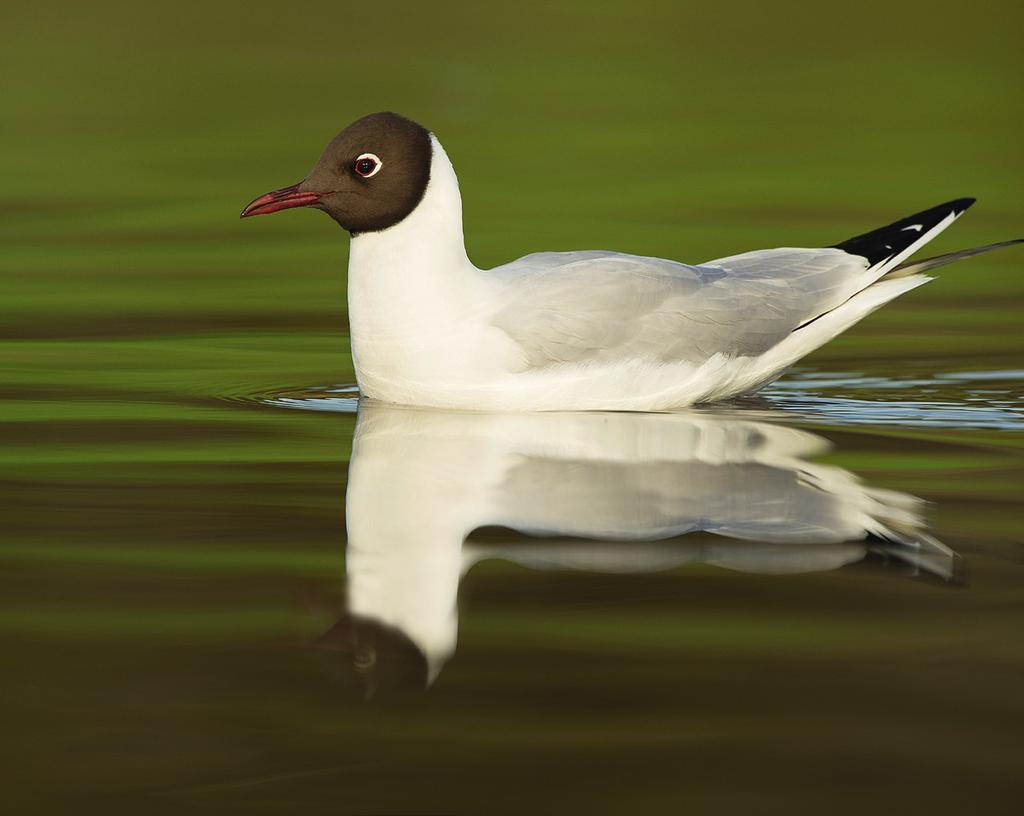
x=370 y=177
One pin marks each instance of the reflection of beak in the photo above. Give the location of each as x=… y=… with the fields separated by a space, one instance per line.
x=282 y=199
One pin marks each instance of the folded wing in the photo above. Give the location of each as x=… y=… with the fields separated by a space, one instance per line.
x=605 y=307
x=597 y=307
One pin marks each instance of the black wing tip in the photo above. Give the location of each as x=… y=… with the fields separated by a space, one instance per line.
x=883 y=243
x=959 y=205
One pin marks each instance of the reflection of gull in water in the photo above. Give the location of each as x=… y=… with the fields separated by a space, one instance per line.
x=421 y=481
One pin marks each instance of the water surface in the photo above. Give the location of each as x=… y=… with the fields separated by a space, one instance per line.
x=223 y=591
x=592 y=610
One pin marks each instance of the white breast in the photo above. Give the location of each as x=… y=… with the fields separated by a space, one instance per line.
x=419 y=311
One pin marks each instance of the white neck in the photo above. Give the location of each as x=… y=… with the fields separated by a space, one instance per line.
x=409 y=286
x=424 y=252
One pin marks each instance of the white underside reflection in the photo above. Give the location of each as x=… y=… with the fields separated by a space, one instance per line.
x=628 y=486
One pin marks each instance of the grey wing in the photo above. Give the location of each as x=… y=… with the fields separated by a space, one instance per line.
x=602 y=307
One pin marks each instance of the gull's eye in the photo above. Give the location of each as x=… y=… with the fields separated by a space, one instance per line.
x=367 y=165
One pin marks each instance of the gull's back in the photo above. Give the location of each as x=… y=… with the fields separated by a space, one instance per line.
x=604 y=307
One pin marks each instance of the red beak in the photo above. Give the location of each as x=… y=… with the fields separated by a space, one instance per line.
x=283 y=199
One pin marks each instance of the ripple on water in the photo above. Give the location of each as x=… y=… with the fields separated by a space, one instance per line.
x=342 y=399
x=971 y=399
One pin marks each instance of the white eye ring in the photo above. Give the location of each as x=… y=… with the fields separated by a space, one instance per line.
x=377 y=164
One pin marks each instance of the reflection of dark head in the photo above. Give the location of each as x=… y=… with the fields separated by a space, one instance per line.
x=376 y=659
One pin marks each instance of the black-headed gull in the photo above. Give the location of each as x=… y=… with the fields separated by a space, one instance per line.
x=573 y=330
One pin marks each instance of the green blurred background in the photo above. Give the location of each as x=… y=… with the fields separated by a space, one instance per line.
x=133 y=134
x=170 y=542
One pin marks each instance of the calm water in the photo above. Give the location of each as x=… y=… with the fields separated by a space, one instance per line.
x=357 y=609
x=222 y=591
